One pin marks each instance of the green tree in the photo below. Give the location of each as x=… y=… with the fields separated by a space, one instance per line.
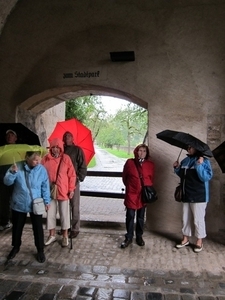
x=126 y=128
x=132 y=121
x=88 y=110
x=110 y=136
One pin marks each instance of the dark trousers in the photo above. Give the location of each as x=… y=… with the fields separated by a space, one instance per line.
x=75 y=208
x=18 y=221
x=130 y=215
x=5 y=196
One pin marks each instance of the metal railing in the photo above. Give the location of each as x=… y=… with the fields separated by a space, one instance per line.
x=103 y=194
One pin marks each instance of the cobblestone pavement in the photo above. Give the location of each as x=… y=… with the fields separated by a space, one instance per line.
x=97 y=268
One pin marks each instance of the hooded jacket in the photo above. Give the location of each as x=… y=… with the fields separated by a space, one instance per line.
x=194 y=179
x=132 y=182
x=66 y=178
x=38 y=178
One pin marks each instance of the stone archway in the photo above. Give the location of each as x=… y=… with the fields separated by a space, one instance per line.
x=41 y=112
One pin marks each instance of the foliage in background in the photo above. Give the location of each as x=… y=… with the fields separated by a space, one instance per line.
x=92 y=163
x=119 y=153
x=88 y=110
x=132 y=121
x=126 y=128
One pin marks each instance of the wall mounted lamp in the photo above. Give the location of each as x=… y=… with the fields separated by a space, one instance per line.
x=122 y=56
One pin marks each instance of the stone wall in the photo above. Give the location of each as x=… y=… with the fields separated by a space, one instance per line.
x=178 y=74
x=50 y=117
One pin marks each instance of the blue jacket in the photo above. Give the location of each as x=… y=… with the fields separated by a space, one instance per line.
x=194 y=179
x=38 y=178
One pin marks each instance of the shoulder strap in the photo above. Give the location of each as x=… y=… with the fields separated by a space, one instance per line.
x=140 y=176
x=57 y=173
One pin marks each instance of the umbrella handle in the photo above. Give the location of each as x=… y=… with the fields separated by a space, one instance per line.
x=179 y=155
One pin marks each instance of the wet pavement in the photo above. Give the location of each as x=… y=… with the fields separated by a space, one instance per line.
x=95 y=267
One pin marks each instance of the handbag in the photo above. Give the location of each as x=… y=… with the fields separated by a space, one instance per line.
x=178 y=193
x=53 y=190
x=38 y=206
x=148 y=193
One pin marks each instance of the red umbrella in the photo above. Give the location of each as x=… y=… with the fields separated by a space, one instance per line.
x=81 y=134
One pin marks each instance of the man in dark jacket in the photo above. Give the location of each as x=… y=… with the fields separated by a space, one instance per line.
x=6 y=191
x=78 y=159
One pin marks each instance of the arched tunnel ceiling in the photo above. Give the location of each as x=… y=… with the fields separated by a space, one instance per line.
x=40 y=48
x=43 y=101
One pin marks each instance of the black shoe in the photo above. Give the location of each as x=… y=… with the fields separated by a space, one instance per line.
x=126 y=243
x=140 y=241
x=40 y=257
x=73 y=234
x=13 y=253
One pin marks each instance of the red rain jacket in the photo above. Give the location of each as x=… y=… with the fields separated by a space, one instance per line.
x=132 y=181
x=66 y=175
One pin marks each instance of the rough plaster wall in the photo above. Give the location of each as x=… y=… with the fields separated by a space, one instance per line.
x=178 y=71
x=5 y=9
x=50 y=117
x=41 y=126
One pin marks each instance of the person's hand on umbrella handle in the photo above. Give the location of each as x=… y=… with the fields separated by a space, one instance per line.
x=71 y=194
x=200 y=160
x=14 y=168
x=176 y=164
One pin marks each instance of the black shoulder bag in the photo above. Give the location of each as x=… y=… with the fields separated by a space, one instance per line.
x=179 y=192
x=148 y=193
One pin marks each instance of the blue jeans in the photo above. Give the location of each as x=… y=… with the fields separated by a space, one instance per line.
x=130 y=215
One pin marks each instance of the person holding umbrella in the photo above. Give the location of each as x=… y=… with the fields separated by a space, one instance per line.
x=19 y=175
x=195 y=173
x=61 y=172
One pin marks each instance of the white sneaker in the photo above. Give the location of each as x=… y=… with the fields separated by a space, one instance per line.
x=178 y=246
x=65 y=242
x=198 y=249
x=50 y=240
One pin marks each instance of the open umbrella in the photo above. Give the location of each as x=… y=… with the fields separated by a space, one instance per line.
x=183 y=140
x=219 y=155
x=10 y=154
x=81 y=134
x=24 y=135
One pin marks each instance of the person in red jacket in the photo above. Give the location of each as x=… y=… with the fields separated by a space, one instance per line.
x=132 y=201
x=61 y=172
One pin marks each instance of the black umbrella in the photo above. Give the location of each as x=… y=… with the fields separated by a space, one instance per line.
x=183 y=140
x=219 y=155
x=168 y=136
x=24 y=135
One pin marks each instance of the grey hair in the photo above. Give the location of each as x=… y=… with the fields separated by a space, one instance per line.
x=32 y=154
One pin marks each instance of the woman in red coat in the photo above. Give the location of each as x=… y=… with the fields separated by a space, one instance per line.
x=133 y=202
